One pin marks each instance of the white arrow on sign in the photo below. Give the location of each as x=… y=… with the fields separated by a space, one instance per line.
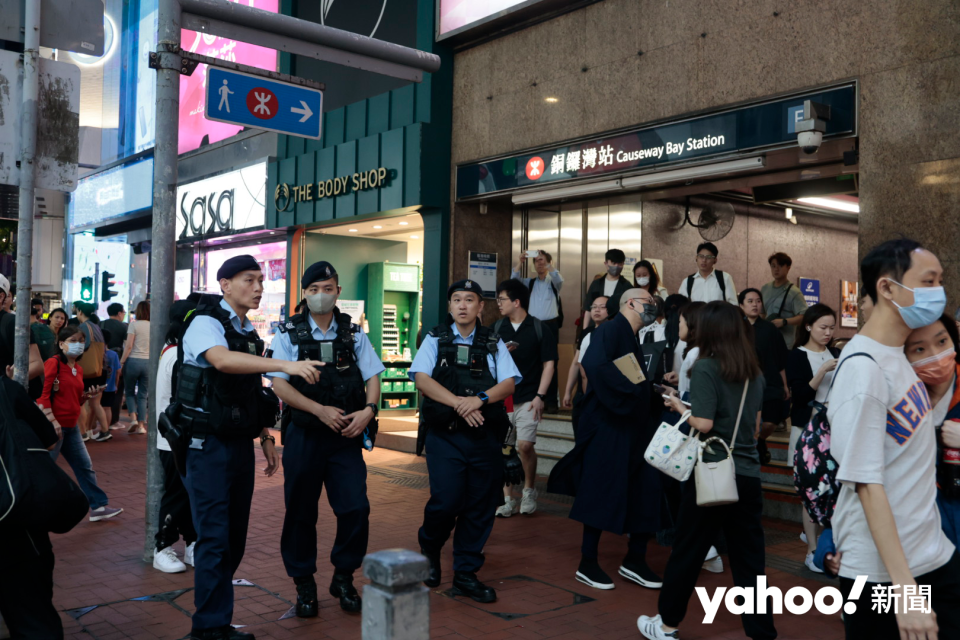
x=305 y=112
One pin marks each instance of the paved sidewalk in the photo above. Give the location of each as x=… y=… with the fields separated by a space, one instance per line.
x=106 y=592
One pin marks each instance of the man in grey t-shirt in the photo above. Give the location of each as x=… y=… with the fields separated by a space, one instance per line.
x=782 y=300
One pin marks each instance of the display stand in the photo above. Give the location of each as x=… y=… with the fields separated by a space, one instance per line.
x=393 y=316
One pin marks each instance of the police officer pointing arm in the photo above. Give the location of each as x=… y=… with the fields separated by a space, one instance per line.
x=221 y=404
x=465 y=372
x=333 y=419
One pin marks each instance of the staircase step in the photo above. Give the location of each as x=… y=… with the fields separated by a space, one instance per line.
x=555 y=446
x=553 y=426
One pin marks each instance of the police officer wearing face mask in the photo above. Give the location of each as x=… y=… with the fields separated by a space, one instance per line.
x=333 y=419
x=464 y=372
x=219 y=406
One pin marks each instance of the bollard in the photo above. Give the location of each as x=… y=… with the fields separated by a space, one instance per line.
x=396 y=606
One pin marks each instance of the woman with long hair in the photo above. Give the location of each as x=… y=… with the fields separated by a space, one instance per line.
x=63 y=394
x=57 y=319
x=686 y=347
x=136 y=368
x=810 y=367
x=645 y=276
x=725 y=377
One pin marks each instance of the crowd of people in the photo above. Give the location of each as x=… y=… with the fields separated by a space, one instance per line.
x=727 y=369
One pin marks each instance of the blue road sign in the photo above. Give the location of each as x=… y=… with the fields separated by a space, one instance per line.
x=252 y=101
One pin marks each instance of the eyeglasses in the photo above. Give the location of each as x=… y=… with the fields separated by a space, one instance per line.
x=598 y=308
x=700 y=256
x=499 y=300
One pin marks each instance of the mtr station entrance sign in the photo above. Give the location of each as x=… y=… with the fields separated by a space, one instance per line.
x=254 y=101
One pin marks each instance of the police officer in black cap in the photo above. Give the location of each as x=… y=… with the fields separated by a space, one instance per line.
x=333 y=420
x=465 y=372
x=220 y=404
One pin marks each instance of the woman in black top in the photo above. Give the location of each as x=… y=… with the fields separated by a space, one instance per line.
x=576 y=380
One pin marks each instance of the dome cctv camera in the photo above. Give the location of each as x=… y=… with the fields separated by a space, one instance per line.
x=809 y=141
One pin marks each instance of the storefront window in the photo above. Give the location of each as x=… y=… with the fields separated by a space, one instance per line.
x=91 y=258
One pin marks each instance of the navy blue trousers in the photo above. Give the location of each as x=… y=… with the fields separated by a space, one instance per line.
x=309 y=464
x=220 y=483
x=466 y=481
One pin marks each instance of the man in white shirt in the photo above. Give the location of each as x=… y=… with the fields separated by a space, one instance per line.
x=886 y=524
x=708 y=284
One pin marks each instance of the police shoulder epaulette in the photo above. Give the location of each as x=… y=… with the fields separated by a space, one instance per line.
x=284 y=327
x=355 y=328
x=438 y=330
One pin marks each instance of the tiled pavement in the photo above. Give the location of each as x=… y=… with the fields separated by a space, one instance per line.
x=105 y=591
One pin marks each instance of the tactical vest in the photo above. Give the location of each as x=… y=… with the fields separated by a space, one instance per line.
x=233 y=405
x=341 y=382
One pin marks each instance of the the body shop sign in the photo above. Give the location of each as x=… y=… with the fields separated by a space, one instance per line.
x=222 y=205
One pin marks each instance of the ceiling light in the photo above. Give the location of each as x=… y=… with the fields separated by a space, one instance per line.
x=789 y=213
x=831 y=203
x=567 y=192
x=352 y=230
x=700 y=171
x=378 y=226
x=404 y=223
x=415 y=237
x=551 y=100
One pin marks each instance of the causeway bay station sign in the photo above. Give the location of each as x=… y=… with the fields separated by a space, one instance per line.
x=285 y=195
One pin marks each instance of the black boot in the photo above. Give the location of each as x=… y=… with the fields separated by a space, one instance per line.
x=236 y=634
x=433 y=579
x=220 y=633
x=306 y=597
x=465 y=583
x=342 y=587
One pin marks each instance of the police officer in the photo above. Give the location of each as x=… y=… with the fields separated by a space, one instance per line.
x=332 y=422
x=221 y=403
x=465 y=372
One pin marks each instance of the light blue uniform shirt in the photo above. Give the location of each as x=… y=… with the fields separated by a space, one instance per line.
x=206 y=332
x=543 y=303
x=367 y=359
x=503 y=367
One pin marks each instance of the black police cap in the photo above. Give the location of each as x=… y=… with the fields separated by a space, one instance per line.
x=317 y=272
x=468 y=285
x=235 y=265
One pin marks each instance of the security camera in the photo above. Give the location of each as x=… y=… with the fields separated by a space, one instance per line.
x=809 y=141
x=810 y=130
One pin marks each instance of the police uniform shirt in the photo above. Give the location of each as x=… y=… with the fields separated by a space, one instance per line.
x=502 y=367
x=367 y=360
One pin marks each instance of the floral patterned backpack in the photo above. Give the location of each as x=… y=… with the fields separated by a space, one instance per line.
x=814 y=468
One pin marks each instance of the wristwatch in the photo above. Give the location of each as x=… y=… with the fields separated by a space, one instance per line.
x=373 y=407
x=263 y=439
x=542 y=396
x=484 y=398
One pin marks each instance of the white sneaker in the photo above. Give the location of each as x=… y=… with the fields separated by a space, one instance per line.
x=508 y=508
x=651 y=628
x=188 y=553
x=811 y=565
x=166 y=560
x=528 y=503
x=713 y=562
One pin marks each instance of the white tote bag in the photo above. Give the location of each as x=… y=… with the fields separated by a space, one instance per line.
x=717 y=481
x=672 y=452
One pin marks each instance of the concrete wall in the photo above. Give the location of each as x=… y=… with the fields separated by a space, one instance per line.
x=620 y=63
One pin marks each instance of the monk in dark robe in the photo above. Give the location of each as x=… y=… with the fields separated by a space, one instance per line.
x=615 y=489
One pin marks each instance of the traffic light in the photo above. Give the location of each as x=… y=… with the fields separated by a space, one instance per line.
x=86 y=288
x=105 y=283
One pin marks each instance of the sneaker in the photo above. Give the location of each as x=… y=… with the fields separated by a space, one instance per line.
x=103 y=513
x=508 y=508
x=166 y=560
x=188 y=553
x=139 y=432
x=590 y=574
x=713 y=562
x=638 y=571
x=652 y=628
x=85 y=436
x=811 y=565
x=528 y=503
x=116 y=426
x=101 y=436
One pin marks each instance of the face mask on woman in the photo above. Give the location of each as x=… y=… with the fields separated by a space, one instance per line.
x=643 y=281
x=74 y=349
x=937 y=369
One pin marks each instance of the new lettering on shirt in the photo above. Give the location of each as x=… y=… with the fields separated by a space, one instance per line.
x=911 y=409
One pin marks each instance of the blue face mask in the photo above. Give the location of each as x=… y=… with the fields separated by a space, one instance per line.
x=928 y=305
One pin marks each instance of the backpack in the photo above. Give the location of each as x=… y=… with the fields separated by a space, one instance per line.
x=537 y=326
x=815 y=469
x=720 y=281
x=556 y=294
x=35 y=493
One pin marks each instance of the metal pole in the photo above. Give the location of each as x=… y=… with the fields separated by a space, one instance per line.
x=28 y=147
x=163 y=242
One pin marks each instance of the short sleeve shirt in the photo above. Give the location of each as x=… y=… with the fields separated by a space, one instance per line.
x=367 y=360
x=502 y=365
x=531 y=354
x=793 y=305
x=206 y=332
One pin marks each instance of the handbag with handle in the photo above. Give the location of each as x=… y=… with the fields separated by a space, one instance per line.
x=672 y=452
x=717 y=481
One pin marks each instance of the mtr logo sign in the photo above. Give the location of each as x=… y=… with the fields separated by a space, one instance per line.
x=535 y=167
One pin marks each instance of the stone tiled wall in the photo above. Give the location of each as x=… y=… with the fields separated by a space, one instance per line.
x=620 y=63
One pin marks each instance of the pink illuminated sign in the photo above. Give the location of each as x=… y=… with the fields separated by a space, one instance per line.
x=193 y=125
x=456 y=14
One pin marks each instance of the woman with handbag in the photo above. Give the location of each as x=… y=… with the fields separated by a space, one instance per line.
x=63 y=395
x=726 y=397
x=810 y=368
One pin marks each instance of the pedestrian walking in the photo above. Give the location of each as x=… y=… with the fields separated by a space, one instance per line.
x=465 y=373
x=708 y=283
x=645 y=276
x=136 y=368
x=612 y=285
x=784 y=303
x=576 y=378
x=332 y=420
x=544 y=305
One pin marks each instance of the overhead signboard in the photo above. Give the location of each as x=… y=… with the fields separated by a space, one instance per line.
x=459 y=16
x=112 y=193
x=222 y=205
x=253 y=101
x=69 y=25
x=58 y=123
x=736 y=130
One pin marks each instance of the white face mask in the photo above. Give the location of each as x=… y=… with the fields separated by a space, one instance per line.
x=74 y=349
x=321 y=303
x=643 y=281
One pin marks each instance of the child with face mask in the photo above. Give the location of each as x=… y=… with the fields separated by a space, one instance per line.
x=62 y=397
